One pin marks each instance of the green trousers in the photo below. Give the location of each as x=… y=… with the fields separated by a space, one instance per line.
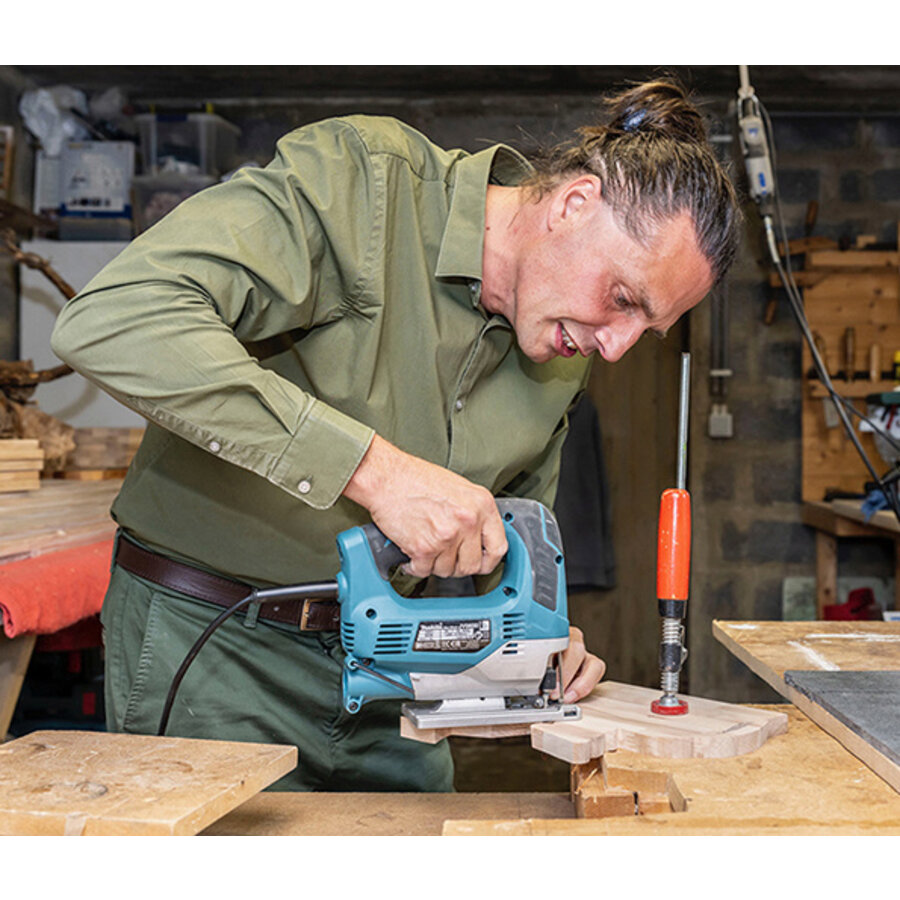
x=263 y=684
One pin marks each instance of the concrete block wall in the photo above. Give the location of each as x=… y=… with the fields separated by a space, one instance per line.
x=746 y=490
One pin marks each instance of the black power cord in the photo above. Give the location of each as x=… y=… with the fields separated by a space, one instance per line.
x=887 y=483
x=323 y=590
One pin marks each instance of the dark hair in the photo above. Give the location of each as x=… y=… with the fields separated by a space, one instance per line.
x=654 y=161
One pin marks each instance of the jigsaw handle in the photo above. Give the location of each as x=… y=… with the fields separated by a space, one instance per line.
x=533 y=524
x=386 y=553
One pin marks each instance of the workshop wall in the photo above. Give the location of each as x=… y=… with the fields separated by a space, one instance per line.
x=748 y=537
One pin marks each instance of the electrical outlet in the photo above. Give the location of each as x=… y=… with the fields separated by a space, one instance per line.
x=721 y=424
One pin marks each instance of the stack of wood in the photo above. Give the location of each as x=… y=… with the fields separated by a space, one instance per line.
x=101 y=453
x=21 y=462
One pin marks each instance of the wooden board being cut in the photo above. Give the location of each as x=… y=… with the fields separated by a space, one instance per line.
x=618 y=716
x=770 y=649
x=95 y=783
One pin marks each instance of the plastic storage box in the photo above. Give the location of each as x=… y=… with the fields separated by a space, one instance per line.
x=156 y=195
x=192 y=143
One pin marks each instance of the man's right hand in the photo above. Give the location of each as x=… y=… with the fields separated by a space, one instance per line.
x=444 y=523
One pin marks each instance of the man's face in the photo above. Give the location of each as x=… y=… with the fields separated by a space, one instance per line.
x=586 y=285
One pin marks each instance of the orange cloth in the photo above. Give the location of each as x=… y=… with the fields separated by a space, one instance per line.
x=47 y=593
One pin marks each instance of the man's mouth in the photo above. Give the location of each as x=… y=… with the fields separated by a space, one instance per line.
x=569 y=347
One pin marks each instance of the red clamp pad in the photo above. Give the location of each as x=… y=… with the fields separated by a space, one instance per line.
x=661 y=710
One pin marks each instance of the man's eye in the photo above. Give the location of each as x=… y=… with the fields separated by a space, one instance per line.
x=623 y=302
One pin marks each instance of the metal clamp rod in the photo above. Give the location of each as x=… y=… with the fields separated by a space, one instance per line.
x=683 y=410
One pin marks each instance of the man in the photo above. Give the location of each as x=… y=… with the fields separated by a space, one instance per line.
x=370 y=328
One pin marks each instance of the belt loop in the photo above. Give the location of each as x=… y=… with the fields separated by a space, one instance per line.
x=252 y=614
x=115 y=550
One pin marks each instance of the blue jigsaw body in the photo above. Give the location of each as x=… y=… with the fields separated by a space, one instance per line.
x=496 y=648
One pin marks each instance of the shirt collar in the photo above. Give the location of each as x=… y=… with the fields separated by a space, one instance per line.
x=463 y=242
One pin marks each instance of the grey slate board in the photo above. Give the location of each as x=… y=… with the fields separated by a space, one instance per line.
x=866 y=702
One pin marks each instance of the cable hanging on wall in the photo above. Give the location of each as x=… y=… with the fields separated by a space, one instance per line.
x=758 y=149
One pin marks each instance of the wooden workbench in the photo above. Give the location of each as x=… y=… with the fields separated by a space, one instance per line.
x=801 y=782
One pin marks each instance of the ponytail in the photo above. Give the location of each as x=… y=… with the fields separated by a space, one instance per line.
x=654 y=161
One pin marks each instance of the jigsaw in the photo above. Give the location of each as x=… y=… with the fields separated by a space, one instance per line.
x=485 y=659
x=459 y=661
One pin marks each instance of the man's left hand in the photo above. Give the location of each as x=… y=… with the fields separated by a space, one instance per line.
x=581 y=671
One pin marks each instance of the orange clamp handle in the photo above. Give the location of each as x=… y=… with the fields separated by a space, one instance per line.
x=673 y=554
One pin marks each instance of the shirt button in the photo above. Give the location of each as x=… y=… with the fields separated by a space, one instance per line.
x=305 y=486
x=459 y=404
x=214 y=446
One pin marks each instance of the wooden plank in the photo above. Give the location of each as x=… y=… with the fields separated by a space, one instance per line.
x=855 y=390
x=618 y=716
x=104 y=448
x=657 y=825
x=826 y=572
x=20 y=448
x=852 y=258
x=380 y=814
x=852 y=509
x=824 y=517
x=21 y=465
x=806 y=244
x=21 y=462
x=15 y=654
x=771 y=648
x=61 y=514
x=96 y=783
x=19 y=482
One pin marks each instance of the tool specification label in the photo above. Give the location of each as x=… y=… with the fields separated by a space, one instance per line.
x=453 y=637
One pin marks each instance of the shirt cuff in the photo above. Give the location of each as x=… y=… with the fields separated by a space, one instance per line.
x=322 y=456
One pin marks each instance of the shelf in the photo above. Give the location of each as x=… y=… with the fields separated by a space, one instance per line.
x=854 y=390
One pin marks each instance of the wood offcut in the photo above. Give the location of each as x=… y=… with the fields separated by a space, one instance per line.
x=96 y=783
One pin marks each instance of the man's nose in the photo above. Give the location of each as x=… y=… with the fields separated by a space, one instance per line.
x=616 y=340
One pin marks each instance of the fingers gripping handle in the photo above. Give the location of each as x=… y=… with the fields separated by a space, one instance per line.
x=533 y=537
x=386 y=553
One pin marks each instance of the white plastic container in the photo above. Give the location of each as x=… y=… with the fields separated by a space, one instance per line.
x=186 y=144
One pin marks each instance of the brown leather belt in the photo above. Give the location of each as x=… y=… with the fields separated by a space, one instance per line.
x=307 y=615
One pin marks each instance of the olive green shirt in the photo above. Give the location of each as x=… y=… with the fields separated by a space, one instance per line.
x=270 y=325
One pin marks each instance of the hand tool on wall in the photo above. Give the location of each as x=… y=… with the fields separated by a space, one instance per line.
x=673 y=565
x=849 y=348
x=831 y=415
x=875 y=362
x=759 y=160
x=480 y=660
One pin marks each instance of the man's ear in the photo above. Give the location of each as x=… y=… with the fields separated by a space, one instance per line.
x=573 y=197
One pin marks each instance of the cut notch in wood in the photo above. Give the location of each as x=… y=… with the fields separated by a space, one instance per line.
x=599 y=790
